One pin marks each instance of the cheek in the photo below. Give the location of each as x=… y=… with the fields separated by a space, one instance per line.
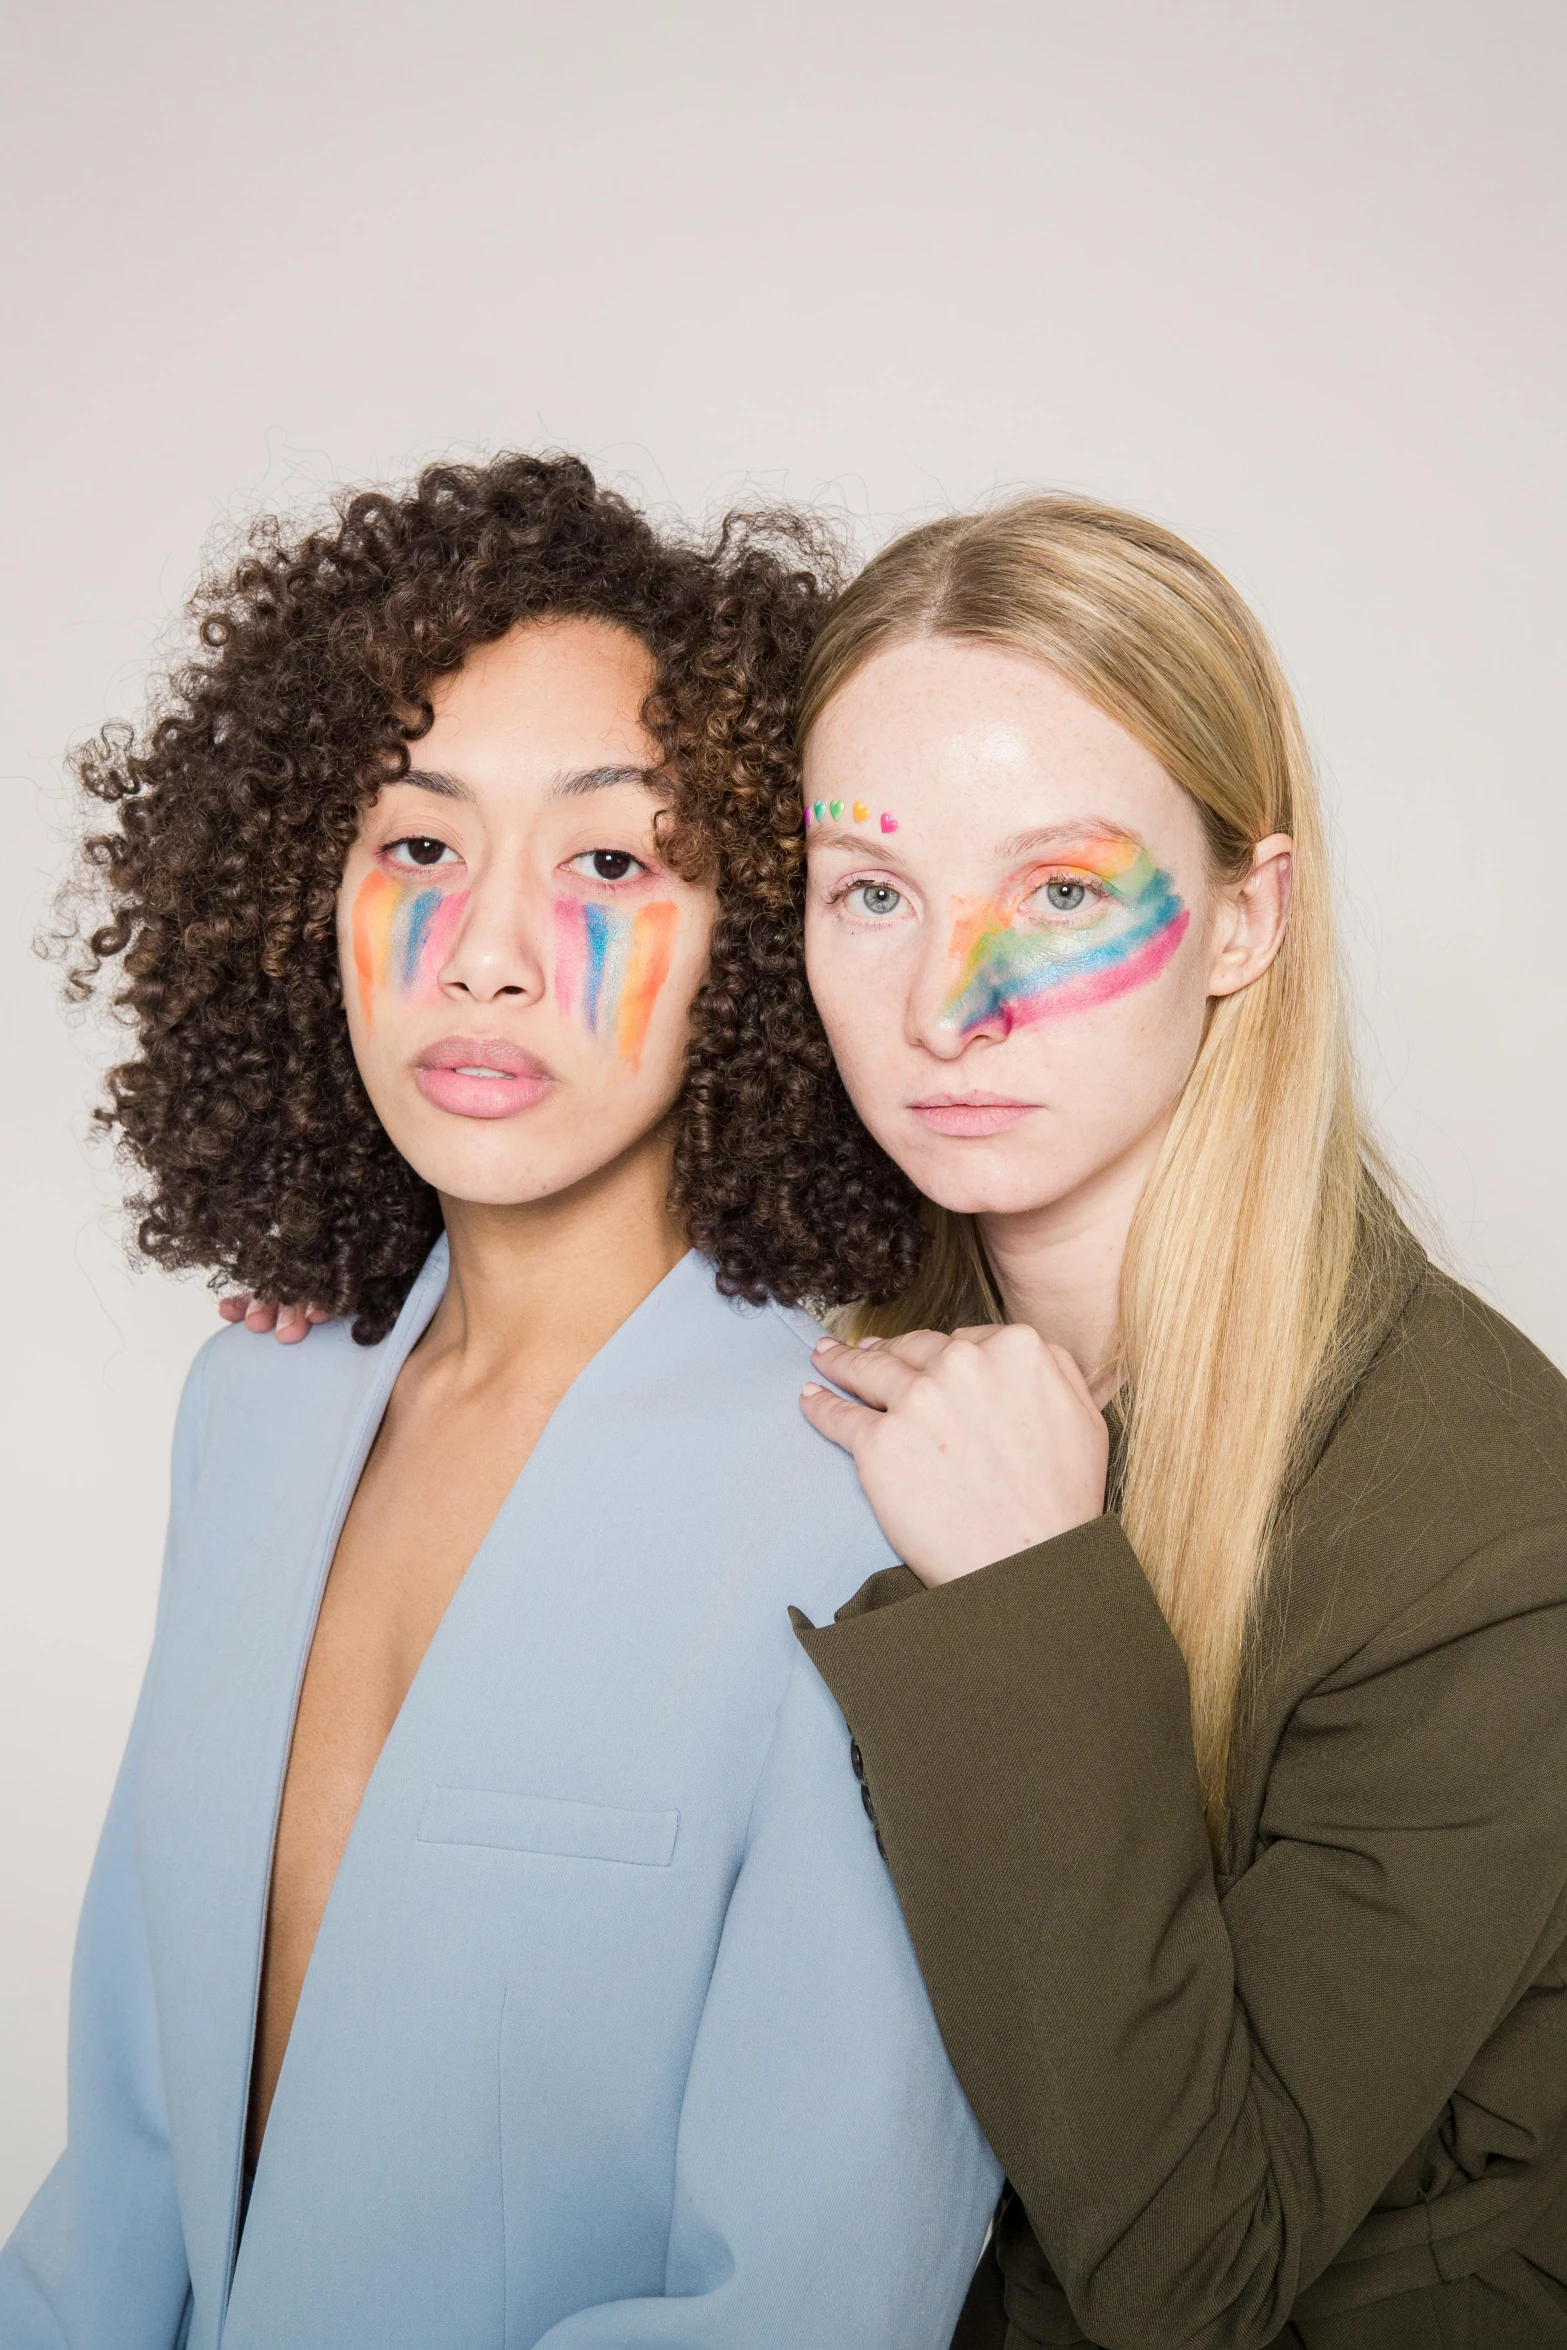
x=400 y=939
x=1115 y=1071
x=862 y=1000
x=611 y=967
x=832 y=984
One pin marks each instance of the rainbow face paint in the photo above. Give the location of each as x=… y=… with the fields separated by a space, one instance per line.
x=610 y=965
x=402 y=935
x=1016 y=968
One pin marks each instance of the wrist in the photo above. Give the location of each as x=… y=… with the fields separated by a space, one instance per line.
x=992 y=1546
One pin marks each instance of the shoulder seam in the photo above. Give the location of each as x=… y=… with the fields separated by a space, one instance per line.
x=782 y=1314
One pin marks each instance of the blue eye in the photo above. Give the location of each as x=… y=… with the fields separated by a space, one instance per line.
x=1062 y=896
x=878 y=897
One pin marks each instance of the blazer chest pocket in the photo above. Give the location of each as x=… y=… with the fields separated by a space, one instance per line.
x=550 y=1825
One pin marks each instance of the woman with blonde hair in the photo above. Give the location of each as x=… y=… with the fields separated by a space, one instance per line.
x=1215 y=1726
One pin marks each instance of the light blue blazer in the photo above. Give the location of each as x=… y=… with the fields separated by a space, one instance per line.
x=613 y=2035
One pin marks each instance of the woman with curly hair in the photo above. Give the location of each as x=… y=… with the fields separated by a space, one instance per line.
x=487 y=1943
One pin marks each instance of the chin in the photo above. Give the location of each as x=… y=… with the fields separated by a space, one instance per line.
x=978 y=1179
x=493 y=1165
x=456 y=1177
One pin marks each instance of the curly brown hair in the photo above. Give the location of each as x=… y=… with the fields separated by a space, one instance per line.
x=238 y=799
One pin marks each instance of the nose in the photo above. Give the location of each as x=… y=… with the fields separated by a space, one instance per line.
x=495 y=944
x=951 y=1004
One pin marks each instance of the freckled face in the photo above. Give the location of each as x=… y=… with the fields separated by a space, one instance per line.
x=1015 y=984
x=518 y=961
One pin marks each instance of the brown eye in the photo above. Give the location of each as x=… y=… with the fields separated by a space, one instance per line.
x=607 y=865
x=425 y=852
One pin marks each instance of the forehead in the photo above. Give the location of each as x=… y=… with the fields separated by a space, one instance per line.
x=547 y=696
x=980 y=723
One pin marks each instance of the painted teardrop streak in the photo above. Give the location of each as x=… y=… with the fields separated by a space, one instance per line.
x=372 y=932
x=610 y=966
x=652 y=951
x=402 y=936
x=1021 y=976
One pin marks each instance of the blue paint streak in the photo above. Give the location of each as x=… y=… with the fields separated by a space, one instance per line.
x=418 y=920
x=596 y=922
x=1022 y=966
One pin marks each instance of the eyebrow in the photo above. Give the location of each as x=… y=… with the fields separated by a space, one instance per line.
x=446 y=787
x=567 y=785
x=1057 y=836
x=573 y=781
x=1019 y=844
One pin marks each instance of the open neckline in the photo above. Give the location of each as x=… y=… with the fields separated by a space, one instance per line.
x=418 y=1312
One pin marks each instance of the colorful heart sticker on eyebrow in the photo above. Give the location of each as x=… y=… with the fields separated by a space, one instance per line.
x=837 y=809
x=861 y=812
x=821 y=811
x=888 y=823
x=810 y=815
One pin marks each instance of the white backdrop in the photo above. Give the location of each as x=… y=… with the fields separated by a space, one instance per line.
x=1288 y=276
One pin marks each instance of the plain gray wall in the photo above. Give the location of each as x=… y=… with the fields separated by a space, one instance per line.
x=1287 y=276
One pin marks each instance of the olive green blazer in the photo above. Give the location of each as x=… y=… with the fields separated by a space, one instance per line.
x=1316 y=2094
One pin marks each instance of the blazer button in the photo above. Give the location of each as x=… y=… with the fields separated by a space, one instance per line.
x=856 y=1760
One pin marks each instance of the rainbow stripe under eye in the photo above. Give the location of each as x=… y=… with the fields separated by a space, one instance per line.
x=402 y=936
x=1014 y=974
x=610 y=964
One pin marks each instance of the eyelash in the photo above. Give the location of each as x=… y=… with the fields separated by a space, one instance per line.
x=1093 y=889
x=639 y=870
x=406 y=840
x=845 y=889
x=1090 y=886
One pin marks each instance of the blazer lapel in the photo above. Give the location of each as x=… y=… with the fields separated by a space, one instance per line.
x=224 y=1687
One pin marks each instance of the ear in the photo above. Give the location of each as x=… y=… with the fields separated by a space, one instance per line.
x=1253 y=918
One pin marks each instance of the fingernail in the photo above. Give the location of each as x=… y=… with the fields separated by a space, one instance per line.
x=811 y=1388
x=870 y=1342
x=822 y=1344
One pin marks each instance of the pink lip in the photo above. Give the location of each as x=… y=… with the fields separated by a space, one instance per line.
x=971 y=1113
x=519 y=1083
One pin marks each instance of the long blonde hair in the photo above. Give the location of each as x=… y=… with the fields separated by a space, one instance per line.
x=1237 y=1309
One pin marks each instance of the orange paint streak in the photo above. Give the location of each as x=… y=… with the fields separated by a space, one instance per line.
x=652 y=951
x=372 y=928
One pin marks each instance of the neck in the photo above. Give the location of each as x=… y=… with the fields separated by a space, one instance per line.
x=1058 y=1267
x=537 y=1288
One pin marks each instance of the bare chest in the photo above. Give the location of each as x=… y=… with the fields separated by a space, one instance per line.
x=432 y=1485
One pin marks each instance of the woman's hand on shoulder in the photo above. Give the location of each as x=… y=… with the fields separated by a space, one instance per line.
x=970 y=1448
x=288 y=1324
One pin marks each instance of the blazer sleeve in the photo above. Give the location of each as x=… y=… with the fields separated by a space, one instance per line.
x=832 y=2186
x=1199 y=2096
x=97 y=2260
